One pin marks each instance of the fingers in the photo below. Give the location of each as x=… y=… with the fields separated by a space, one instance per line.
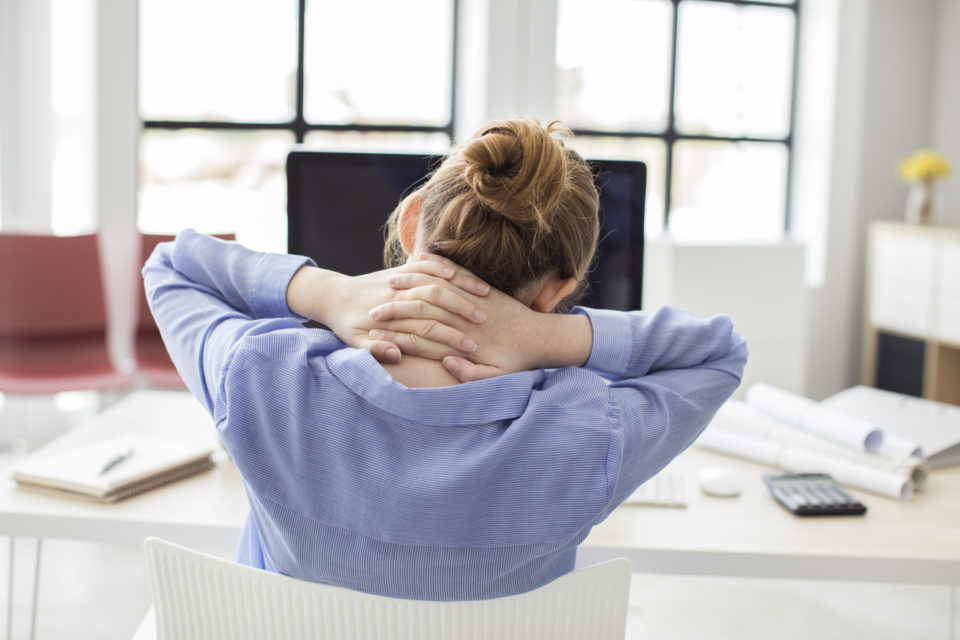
x=408 y=279
x=466 y=371
x=440 y=267
x=429 y=266
x=411 y=332
x=383 y=351
x=416 y=345
x=428 y=301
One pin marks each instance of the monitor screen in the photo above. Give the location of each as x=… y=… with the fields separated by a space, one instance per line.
x=338 y=203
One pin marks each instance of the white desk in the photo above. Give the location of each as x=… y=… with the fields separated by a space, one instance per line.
x=205 y=511
x=916 y=541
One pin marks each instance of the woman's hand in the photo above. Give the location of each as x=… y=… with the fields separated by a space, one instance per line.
x=429 y=292
x=513 y=337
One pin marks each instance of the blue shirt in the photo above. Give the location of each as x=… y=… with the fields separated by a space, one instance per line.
x=473 y=491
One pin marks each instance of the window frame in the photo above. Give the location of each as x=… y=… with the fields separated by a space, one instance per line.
x=299 y=125
x=670 y=136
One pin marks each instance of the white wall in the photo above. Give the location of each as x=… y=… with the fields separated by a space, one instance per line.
x=946 y=105
x=27 y=123
x=761 y=288
x=885 y=86
x=118 y=135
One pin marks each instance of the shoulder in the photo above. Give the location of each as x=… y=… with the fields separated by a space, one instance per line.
x=271 y=358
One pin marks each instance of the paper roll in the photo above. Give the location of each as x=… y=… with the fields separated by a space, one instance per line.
x=798 y=459
x=887 y=483
x=803 y=413
x=897 y=446
x=740 y=445
x=745 y=419
x=777 y=403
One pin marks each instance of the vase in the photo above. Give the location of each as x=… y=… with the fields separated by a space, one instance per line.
x=921 y=207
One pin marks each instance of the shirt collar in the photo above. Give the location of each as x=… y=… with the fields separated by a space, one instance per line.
x=500 y=398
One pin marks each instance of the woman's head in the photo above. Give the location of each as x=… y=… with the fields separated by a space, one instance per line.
x=513 y=205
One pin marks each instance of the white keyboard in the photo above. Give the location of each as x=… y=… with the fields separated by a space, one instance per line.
x=662 y=490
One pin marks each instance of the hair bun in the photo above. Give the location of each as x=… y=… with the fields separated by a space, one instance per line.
x=517 y=169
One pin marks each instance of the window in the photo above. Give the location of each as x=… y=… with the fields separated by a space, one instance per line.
x=702 y=91
x=227 y=87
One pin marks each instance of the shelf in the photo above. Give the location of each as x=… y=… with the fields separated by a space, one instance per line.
x=912 y=310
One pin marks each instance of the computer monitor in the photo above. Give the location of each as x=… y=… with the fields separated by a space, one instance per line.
x=338 y=203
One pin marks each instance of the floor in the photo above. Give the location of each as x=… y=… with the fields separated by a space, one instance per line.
x=98 y=592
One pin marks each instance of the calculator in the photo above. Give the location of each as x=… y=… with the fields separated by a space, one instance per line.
x=812 y=494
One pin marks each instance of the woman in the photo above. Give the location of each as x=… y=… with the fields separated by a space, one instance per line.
x=355 y=476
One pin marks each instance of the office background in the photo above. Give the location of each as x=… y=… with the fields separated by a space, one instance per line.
x=875 y=80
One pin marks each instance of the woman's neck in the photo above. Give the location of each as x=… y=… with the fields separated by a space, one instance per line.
x=415 y=372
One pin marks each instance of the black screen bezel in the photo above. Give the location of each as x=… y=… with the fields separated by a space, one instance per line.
x=301 y=163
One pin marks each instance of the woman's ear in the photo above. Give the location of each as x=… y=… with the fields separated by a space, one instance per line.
x=554 y=290
x=408 y=223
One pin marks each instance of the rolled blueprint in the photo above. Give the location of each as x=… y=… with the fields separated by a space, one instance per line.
x=742 y=418
x=802 y=460
x=740 y=445
x=897 y=446
x=805 y=414
x=887 y=483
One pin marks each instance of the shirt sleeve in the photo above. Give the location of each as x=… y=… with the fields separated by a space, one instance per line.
x=207 y=294
x=670 y=371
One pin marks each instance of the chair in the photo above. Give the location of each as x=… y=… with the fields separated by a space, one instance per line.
x=153 y=362
x=53 y=324
x=201 y=596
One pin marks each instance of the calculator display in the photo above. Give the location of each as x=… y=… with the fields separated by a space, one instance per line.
x=794 y=481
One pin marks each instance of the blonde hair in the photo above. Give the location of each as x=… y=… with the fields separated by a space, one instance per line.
x=512 y=205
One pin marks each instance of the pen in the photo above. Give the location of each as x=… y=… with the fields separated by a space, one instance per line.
x=115 y=460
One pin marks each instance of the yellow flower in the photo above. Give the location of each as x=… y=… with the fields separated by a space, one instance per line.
x=924 y=164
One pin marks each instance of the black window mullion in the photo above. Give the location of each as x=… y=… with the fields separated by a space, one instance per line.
x=788 y=206
x=756 y=3
x=670 y=136
x=673 y=136
x=299 y=125
x=450 y=128
x=671 y=132
x=300 y=121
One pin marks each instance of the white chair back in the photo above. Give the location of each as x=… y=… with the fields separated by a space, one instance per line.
x=198 y=596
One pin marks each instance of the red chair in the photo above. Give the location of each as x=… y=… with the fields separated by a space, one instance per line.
x=53 y=325
x=153 y=361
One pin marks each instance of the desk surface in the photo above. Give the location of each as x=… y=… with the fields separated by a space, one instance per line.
x=205 y=511
x=913 y=541
x=910 y=541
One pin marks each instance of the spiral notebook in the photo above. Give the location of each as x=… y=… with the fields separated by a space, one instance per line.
x=114 y=469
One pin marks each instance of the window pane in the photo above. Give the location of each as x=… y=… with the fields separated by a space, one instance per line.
x=613 y=64
x=726 y=190
x=216 y=182
x=216 y=60
x=734 y=69
x=427 y=143
x=651 y=151
x=378 y=61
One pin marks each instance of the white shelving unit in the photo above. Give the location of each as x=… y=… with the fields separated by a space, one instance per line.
x=913 y=293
